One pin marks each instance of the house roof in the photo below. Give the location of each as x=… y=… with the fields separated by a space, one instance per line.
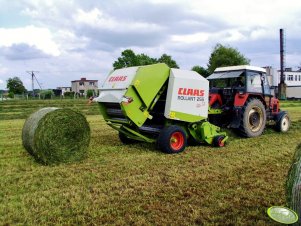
x=84 y=80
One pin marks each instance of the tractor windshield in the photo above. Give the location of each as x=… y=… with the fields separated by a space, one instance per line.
x=225 y=79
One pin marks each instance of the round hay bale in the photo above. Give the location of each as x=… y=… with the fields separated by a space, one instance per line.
x=54 y=135
x=293 y=183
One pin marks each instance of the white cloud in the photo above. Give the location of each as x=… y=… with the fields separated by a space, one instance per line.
x=199 y=37
x=96 y=18
x=93 y=18
x=248 y=13
x=232 y=36
x=3 y=69
x=260 y=33
x=69 y=41
x=228 y=36
x=41 y=38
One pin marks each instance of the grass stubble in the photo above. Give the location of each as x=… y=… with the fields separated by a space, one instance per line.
x=136 y=184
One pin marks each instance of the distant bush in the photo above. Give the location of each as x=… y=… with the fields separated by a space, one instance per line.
x=11 y=95
x=90 y=93
x=69 y=94
x=46 y=94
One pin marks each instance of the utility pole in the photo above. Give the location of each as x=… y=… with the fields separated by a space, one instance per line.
x=32 y=80
x=282 y=85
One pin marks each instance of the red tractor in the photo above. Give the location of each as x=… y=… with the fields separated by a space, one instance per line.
x=240 y=98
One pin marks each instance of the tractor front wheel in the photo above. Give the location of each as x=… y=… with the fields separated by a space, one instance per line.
x=283 y=122
x=172 y=140
x=253 y=118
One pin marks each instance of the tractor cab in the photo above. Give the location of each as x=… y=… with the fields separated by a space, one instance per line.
x=240 y=98
x=234 y=81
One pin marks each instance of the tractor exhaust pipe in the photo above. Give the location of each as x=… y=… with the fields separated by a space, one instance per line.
x=282 y=85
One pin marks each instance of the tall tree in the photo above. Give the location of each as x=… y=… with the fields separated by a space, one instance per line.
x=202 y=71
x=15 y=85
x=225 y=56
x=168 y=60
x=129 y=59
x=145 y=60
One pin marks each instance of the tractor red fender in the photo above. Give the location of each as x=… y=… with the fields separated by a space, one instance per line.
x=213 y=97
x=240 y=99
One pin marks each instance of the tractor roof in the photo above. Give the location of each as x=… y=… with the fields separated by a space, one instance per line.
x=240 y=67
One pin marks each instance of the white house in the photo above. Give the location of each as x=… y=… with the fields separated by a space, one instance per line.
x=292 y=79
x=83 y=85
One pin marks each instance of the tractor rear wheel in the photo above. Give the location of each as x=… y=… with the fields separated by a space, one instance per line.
x=172 y=140
x=253 y=118
x=283 y=122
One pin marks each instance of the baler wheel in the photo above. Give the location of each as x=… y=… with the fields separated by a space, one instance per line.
x=172 y=139
x=218 y=141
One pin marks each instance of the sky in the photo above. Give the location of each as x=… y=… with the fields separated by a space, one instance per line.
x=64 y=40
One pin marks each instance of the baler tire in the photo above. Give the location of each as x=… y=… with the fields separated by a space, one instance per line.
x=218 y=141
x=124 y=139
x=252 y=112
x=283 y=123
x=172 y=140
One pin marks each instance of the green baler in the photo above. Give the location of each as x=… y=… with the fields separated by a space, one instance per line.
x=160 y=105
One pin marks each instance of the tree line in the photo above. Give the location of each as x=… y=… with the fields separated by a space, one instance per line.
x=221 y=56
x=129 y=59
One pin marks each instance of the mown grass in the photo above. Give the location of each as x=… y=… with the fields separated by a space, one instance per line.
x=16 y=109
x=138 y=185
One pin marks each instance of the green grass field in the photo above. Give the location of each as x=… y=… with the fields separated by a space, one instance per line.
x=22 y=109
x=138 y=185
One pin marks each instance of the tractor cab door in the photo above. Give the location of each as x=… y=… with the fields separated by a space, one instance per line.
x=257 y=82
x=266 y=85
